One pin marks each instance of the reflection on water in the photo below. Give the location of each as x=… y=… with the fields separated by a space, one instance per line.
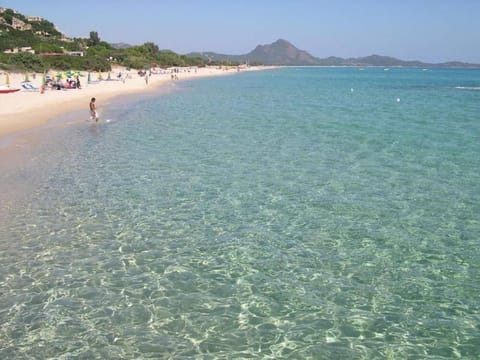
x=225 y=221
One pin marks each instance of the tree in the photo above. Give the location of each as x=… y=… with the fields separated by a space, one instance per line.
x=94 y=39
x=99 y=50
x=151 y=48
x=22 y=61
x=46 y=47
x=45 y=27
x=8 y=15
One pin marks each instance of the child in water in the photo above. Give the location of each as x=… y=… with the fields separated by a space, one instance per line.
x=93 y=110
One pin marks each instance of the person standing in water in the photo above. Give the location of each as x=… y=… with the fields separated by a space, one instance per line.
x=93 y=110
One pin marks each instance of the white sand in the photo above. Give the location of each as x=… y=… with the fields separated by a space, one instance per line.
x=23 y=110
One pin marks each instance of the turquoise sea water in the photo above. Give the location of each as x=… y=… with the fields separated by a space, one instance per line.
x=295 y=213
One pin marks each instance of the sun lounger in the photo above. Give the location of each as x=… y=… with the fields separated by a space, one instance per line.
x=26 y=86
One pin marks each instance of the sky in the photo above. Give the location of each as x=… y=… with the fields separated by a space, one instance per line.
x=425 y=30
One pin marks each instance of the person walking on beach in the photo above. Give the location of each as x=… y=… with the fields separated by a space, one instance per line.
x=93 y=110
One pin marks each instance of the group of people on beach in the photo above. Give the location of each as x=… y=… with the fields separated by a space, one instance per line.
x=69 y=83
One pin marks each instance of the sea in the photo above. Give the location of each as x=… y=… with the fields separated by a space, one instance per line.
x=292 y=213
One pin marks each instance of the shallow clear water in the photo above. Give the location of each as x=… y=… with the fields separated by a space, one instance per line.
x=295 y=213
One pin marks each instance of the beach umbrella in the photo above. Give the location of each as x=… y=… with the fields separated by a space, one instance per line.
x=44 y=82
x=71 y=73
x=26 y=78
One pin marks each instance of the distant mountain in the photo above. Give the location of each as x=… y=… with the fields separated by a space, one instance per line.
x=378 y=60
x=387 y=61
x=120 y=45
x=281 y=52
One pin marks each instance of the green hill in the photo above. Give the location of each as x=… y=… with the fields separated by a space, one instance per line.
x=20 y=31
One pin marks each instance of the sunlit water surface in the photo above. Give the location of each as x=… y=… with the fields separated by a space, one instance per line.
x=294 y=213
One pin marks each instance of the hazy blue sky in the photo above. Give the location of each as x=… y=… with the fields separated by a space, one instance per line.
x=428 y=30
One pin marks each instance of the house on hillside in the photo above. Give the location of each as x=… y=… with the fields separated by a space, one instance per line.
x=34 y=18
x=2 y=10
x=49 y=54
x=42 y=33
x=19 y=50
x=20 y=25
x=74 y=53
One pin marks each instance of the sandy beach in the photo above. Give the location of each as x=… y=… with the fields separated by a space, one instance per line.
x=28 y=109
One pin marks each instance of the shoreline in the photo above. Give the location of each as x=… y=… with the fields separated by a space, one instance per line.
x=27 y=119
x=25 y=110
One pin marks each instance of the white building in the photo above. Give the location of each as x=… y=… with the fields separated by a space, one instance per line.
x=34 y=18
x=20 y=25
x=19 y=50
